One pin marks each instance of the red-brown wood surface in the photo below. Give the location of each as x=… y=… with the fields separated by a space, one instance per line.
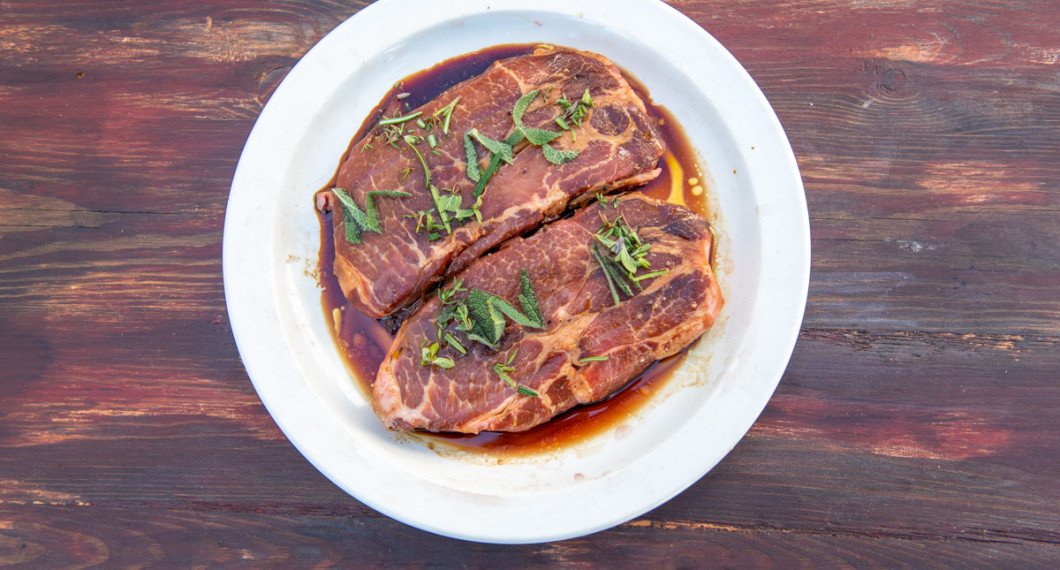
x=918 y=422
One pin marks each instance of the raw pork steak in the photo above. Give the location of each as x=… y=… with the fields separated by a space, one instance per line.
x=580 y=321
x=616 y=144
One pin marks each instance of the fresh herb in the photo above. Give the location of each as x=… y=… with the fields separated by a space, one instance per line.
x=392 y=134
x=425 y=223
x=453 y=342
x=539 y=137
x=574 y=111
x=494 y=146
x=556 y=156
x=399 y=120
x=589 y=359
x=473 y=172
x=421 y=124
x=480 y=316
x=609 y=274
x=535 y=136
x=447 y=114
x=429 y=357
x=504 y=371
x=447 y=294
x=624 y=257
x=600 y=197
x=495 y=163
x=412 y=141
x=357 y=220
x=528 y=391
x=487 y=312
x=432 y=141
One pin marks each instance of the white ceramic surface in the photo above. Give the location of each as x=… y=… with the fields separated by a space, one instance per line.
x=271 y=239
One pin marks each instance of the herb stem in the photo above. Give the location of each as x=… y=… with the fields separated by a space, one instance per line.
x=399 y=120
x=495 y=163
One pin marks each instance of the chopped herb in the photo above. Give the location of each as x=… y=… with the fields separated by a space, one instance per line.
x=429 y=357
x=607 y=272
x=392 y=134
x=447 y=294
x=592 y=359
x=399 y=120
x=451 y=341
x=481 y=316
x=651 y=275
x=425 y=222
x=629 y=255
x=447 y=114
x=504 y=370
x=439 y=204
x=433 y=142
x=575 y=111
x=357 y=220
x=540 y=137
x=421 y=124
x=366 y=146
x=600 y=197
x=405 y=172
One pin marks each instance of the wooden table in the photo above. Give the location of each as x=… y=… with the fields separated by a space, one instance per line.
x=918 y=422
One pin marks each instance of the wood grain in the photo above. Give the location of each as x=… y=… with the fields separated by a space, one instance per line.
x=916 y=424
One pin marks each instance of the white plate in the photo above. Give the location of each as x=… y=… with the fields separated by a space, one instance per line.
x=271 y=239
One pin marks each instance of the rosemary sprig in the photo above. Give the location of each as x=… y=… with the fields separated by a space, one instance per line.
x=588 y=359
x=504 y=370
x=574 y=111
x=399 y=120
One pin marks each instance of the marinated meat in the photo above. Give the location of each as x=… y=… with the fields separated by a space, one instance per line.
x=389 y=268
x=587 y=348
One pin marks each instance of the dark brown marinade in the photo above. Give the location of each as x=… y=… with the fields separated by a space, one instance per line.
x=364 y=341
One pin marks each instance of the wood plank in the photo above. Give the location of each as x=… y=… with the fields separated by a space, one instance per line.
x=915 y=424
x=81 y=537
